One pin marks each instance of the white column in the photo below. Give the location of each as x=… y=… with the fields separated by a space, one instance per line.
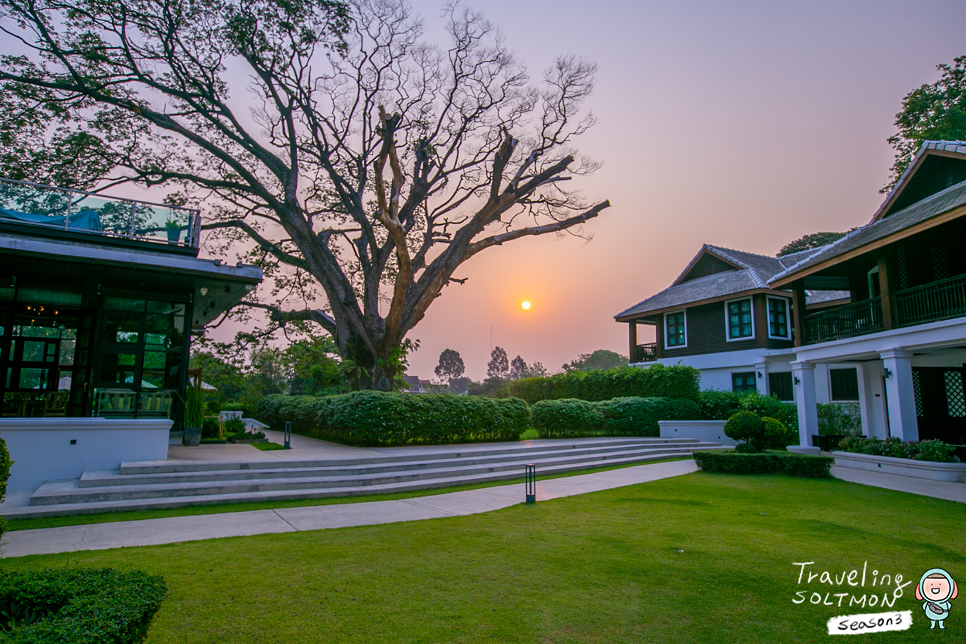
x=865 y=399
x=761 y=378
x=803 y=377
x=900 y=396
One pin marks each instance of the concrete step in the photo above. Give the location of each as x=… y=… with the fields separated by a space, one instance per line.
x=68 y=509
x=471 y=451
x=302 y=469
x=56 y=494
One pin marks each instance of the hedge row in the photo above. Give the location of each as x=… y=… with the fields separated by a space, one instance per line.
x=929 y=450
x=722 y=405
x=387 y=418
x=628 y=416
x=730 y=462
x=657 y=381
x=82 y=606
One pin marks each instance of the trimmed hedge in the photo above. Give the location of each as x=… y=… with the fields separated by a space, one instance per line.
x=656 y=381
x=629 y=416
x=82 y=606
x=5 y=464
x=731 y=462
x=387 y=418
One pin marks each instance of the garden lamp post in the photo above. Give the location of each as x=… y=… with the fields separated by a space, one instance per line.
x=531 y=482
x=288 y=434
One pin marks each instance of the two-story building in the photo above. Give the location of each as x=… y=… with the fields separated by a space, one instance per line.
x=878 y=317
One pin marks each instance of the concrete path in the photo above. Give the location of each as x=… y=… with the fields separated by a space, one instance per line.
x=923 y=487
x=103 y=536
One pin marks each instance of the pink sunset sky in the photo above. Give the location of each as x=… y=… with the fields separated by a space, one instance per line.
x=741 y=124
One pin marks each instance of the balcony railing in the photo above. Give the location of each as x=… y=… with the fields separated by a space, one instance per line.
x=645 y=353
x=930 y=302
x=846 y=321
x=85 y=212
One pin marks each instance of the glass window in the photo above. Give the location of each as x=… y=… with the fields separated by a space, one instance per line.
x=743 y=382
x=778 y=317
x=780 y=385
x=845 y=384
x=739 y=319
x=676 y=334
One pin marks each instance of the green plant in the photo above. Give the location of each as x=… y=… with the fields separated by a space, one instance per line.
x=194 y=406
x=78 y=605
x=928 y=450
x=777 y=435
x=746 y=426
x=719 y=405
x=566 y=418
x=656 y=381
x=210 y=428
x=843 y=419
x=746 y=448
x=722 y=405
x=734 y=462
x=5 y=464
x=234 y=426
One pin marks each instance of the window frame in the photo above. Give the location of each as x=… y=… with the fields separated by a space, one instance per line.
x=751 y=309
x=754 y=381
x=684 y=312
x=788 y=317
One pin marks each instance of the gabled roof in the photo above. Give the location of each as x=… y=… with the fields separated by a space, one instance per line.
x=937 y=165
x=751 y=272
x=918 y=213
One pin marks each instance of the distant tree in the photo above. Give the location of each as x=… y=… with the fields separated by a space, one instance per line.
x=536 y=370
x=518 y=368
x=808 y=242
x=499 y=365
x=450 y=366
x=599 y=359
x=930 y=113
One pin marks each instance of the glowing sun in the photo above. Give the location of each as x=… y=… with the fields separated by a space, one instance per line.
x=525 y=306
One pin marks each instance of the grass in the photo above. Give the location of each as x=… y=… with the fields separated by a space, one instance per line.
x=700 y=558
x=267 y=447
x=33 y=523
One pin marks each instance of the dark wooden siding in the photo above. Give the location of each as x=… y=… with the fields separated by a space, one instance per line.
x=706 y=332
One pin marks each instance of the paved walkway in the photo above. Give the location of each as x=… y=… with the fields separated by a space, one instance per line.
x=150 y=532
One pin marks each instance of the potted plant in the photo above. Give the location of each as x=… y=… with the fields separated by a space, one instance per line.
x=194 y=414
x=173 y=229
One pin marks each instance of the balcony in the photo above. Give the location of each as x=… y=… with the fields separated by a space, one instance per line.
x=27 y=206
x=645 y=353
x=858 y=318
x=931 y=302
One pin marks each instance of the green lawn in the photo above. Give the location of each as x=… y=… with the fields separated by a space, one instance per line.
x=700 y=558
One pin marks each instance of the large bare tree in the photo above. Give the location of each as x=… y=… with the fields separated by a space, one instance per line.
x=363 y=165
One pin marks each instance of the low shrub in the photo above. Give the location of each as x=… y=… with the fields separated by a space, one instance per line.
x=746 y=426
x=842 y=419
x=722 y=405
x=928 y=450
x=390 y=418
x=628 y=416
x=656 y=381
x=209 y=427
x=82 y=606
x=5 y=464
x=733 y=462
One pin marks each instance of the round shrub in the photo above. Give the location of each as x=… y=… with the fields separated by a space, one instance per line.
x=777 y=435
x=746 y=426
x=746 y=448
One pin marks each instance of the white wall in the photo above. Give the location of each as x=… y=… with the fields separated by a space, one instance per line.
x=709 y=431
x=42 y=451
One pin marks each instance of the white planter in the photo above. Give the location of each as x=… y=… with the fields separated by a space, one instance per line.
x=711 y=431
x=901 y=466
x=49 y=449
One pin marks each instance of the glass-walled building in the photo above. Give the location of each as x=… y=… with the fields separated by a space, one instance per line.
x=97 y=311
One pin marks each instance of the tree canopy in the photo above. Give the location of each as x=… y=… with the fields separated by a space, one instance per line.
x=360 y=164
x=450 y=366
x=599 y=359
x=810 y=241
x=930 y=112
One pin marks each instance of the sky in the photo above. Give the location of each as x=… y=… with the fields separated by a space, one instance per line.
x=740 y=124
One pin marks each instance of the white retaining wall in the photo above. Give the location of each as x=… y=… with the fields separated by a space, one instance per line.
x=42 y=448
x=711 y=431
x=901 y=466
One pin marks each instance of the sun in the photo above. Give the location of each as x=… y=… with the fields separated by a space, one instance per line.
x=525 y=305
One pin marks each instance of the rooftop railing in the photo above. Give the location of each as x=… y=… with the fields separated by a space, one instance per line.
x=645 y=353
x=938 y=300
x=77 y=211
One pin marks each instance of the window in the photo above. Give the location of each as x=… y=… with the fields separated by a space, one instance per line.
x=778 y=318
x=675 y=329
x=743 y=382
x=845 y=384
x=780 y=385
x=740 y=320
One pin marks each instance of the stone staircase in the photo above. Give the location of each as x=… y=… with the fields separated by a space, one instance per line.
x=171 y=484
